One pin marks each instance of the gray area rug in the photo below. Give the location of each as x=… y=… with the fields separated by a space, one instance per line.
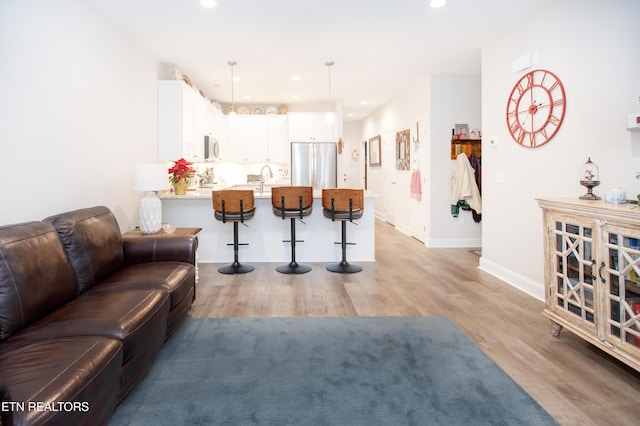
x=326 y=371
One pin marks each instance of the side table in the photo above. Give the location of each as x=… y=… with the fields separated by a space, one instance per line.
x=179 y=231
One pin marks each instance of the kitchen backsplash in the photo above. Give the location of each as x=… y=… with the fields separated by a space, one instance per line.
x=235 y=173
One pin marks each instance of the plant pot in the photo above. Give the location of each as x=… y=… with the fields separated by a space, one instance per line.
x=180 y=187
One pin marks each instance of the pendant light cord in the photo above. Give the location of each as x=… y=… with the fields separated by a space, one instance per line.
x=329 y=64
x=232 y=64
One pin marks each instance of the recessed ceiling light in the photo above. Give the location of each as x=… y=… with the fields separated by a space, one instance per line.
x=247 y=97
x=295 y=97
x=208 y=4
x=295 y=78
x=437 y=3
x=363 y=102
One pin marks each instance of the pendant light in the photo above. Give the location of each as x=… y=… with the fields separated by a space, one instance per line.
x=233 y=109
x=330 y=114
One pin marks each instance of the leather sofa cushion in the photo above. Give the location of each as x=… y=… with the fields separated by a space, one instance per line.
x=176 y=278
x=35 y=275
x=178 y=248
x=133 y=317
x=93 y=243
x=65 y=370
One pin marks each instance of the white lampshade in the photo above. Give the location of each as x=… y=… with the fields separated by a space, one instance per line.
x=151 y=177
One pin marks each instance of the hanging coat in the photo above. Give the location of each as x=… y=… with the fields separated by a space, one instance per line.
x=464 y=189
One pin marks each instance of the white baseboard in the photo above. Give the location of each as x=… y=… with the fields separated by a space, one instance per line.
x=532 y=288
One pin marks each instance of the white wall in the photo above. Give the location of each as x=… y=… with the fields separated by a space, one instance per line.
x=454 y=99
x=438 y=102
x=354 y=166
x=392 y=185
x=78 y=110
x=592 y=46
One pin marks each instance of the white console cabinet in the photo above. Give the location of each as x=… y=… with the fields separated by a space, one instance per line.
x=592 y=270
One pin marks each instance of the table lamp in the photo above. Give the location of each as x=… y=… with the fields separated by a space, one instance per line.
x=151 y=177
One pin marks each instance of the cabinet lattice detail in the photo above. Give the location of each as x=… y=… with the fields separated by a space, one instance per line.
x=573 y=289
x=592 y=273
x=622 y=262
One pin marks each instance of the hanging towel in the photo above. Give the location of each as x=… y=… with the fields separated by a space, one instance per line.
x=416 y=189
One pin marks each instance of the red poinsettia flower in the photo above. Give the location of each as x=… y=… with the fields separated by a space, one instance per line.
x=181 y=169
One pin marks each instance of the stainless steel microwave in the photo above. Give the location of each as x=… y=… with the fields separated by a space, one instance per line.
x=211 y=148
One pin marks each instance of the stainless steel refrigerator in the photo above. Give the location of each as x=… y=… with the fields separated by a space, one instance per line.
x=314 y=164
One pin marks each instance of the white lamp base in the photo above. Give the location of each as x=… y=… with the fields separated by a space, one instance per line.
x=150 y=214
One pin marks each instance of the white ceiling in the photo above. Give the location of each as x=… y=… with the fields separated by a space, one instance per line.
x=379 y=47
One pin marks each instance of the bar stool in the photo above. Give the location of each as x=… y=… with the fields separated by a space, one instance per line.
x=345 y=205
x=232 y=205
x=293 y=202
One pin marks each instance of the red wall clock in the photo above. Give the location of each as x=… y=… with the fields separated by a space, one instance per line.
x=535 y=108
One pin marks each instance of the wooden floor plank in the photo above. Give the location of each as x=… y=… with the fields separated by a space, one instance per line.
x=575 y=382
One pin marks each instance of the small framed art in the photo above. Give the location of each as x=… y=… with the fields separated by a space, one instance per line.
x=374 y=151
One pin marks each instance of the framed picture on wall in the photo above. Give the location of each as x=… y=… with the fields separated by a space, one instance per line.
x=462 y=131
x=375 y=158
x=402 y=150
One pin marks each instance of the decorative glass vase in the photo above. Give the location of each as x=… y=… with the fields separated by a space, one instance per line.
x=180 y=187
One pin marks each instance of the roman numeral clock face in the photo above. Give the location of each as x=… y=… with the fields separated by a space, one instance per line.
x=535 y=108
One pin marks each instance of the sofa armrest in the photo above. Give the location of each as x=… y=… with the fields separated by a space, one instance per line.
x=179 y=248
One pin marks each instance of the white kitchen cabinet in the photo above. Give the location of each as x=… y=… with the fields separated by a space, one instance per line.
x=176 y=120
x=277 y=139
x=220 y=133
x=311 y=127
x=205 y=123
x=184 y=119
x=247 y=138
x=258 y=138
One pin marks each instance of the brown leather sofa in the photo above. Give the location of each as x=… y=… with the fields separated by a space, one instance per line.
x=83 y=314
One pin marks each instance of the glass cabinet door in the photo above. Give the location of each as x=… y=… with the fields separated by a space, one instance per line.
x=620 y=270
x=573 y=265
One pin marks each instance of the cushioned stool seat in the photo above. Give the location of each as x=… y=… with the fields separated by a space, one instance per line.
x=345 y=205
x=292 y=202
x=236 y=206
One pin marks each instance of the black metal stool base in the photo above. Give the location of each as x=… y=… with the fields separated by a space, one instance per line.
x=293 y=268
x=344 y=267
x=236 y=268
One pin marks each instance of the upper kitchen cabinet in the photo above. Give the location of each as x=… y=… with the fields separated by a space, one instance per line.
x=258 y=139
x=311 y=127
x=186 y=121
x=277 y=139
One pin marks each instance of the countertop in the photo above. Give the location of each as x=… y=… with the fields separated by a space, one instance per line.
x=205 y=193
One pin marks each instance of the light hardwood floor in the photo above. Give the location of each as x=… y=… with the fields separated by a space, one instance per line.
x=575 y=382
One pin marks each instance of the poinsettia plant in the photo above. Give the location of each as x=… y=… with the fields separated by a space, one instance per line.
x=181 y=169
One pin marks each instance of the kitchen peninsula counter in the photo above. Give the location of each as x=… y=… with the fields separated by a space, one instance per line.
x=265 y=232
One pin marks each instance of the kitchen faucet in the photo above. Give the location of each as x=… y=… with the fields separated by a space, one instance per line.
x=266 y=166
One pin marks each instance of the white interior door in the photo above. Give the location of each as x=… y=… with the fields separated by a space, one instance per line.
x=389 y=170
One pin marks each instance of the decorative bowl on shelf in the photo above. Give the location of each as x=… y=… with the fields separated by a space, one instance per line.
x=168 y=228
